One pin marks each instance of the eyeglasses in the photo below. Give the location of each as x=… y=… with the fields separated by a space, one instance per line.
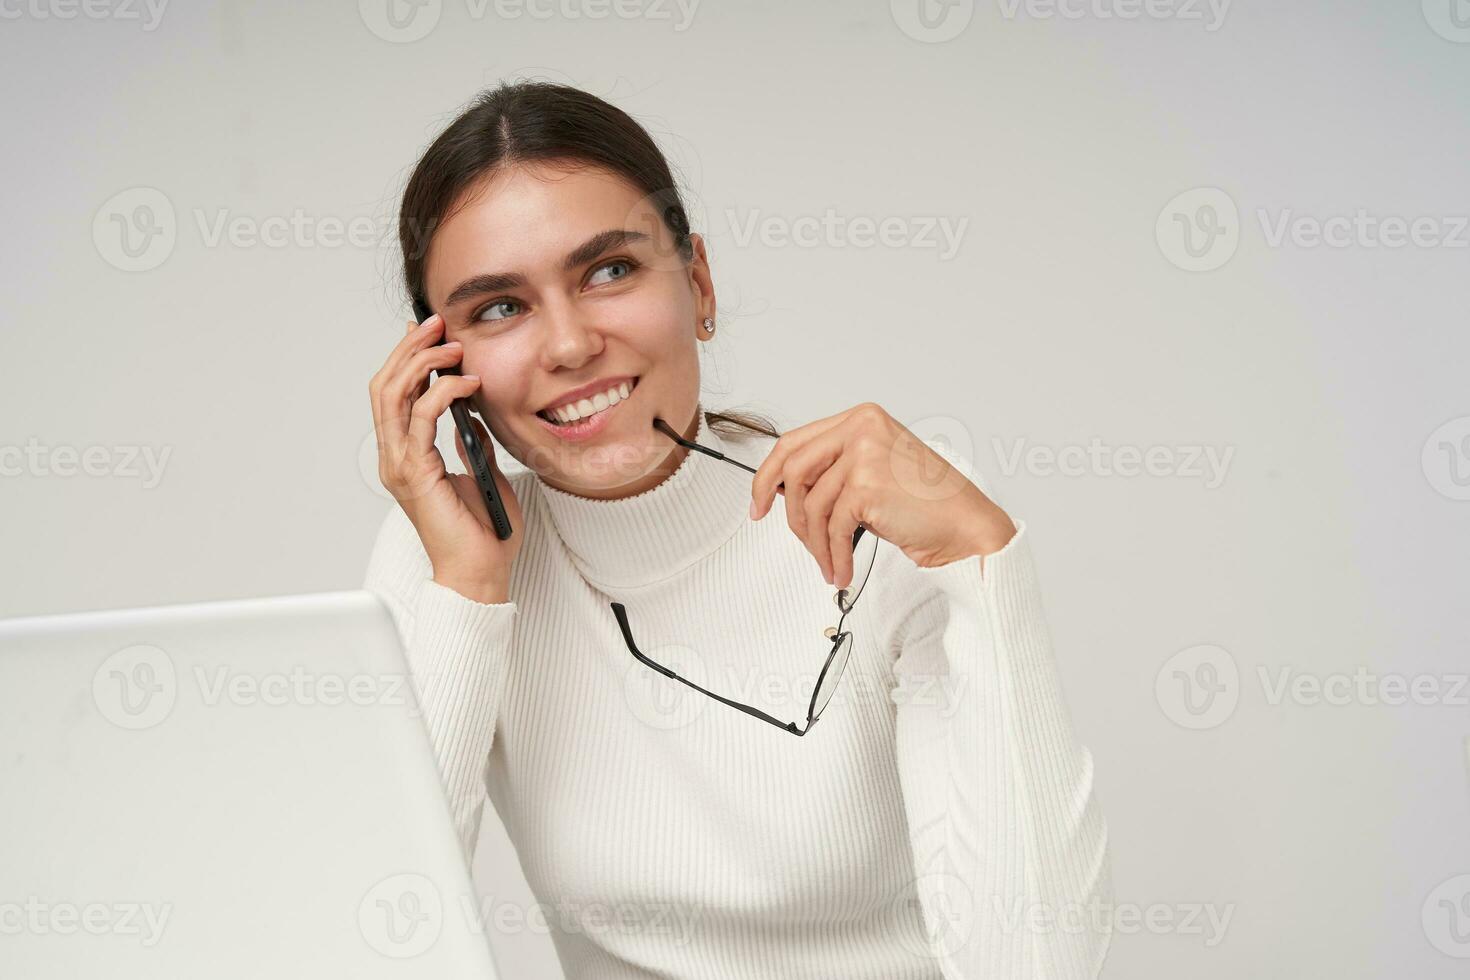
x=841 y=640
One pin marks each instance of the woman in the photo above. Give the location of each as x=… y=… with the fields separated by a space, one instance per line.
x=938 y=822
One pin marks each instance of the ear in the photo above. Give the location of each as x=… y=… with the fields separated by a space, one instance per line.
x=701 y=281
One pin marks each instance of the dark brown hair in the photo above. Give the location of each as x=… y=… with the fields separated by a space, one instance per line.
x=522 y=122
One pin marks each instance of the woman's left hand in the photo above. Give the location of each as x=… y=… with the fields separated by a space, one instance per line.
x=862 y=466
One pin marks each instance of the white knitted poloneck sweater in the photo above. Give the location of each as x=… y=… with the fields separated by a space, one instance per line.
x=938 y=821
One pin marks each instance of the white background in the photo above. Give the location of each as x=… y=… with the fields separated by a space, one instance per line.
x=1335 y=541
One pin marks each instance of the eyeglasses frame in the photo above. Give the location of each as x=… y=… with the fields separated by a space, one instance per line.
x=834 y=633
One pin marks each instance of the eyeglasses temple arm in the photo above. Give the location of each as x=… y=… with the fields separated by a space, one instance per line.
x=620 y=611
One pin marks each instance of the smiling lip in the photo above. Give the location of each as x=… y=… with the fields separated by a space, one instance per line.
x=586 y=428
x=588 y=390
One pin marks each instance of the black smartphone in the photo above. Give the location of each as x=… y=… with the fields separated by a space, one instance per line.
x=474 y=448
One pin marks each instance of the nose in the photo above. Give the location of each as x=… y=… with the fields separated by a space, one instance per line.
x=570 y=338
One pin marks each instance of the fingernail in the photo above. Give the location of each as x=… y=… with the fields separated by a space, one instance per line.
x=752 y=510
x=472 y=377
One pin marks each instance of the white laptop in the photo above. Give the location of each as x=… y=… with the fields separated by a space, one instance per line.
x=224 y=789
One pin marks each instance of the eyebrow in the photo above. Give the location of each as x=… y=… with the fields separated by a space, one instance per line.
x=495 y=282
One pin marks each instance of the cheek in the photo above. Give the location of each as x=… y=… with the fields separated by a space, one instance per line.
x=504 y=372
x=652 y=323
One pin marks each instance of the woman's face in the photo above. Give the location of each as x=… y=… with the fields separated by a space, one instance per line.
x=554 y=278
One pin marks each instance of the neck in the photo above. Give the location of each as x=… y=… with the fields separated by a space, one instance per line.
x=639 y=538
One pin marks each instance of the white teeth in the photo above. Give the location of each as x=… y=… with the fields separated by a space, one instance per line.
x=567 y=414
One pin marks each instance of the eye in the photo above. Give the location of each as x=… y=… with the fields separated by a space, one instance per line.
x=502 y=307
x=616 y=269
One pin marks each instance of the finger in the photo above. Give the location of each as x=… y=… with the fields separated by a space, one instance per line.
x=840 y=529
x=390 y=411
x=768 y=473
x=413 y=375
x=424 y=335
x=424 y=386
x=804 y=469
x=424 y=422
x=820 y=500
x=796 y=510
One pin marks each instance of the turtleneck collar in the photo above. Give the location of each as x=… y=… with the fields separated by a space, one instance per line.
x=649 y=536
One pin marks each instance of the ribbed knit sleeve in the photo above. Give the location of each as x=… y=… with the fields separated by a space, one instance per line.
x=458 y=650
x=1009 y=843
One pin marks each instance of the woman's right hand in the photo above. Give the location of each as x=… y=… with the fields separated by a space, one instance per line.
x=446 y=508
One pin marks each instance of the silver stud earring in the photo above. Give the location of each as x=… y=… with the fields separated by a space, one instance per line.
x=709 y=324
